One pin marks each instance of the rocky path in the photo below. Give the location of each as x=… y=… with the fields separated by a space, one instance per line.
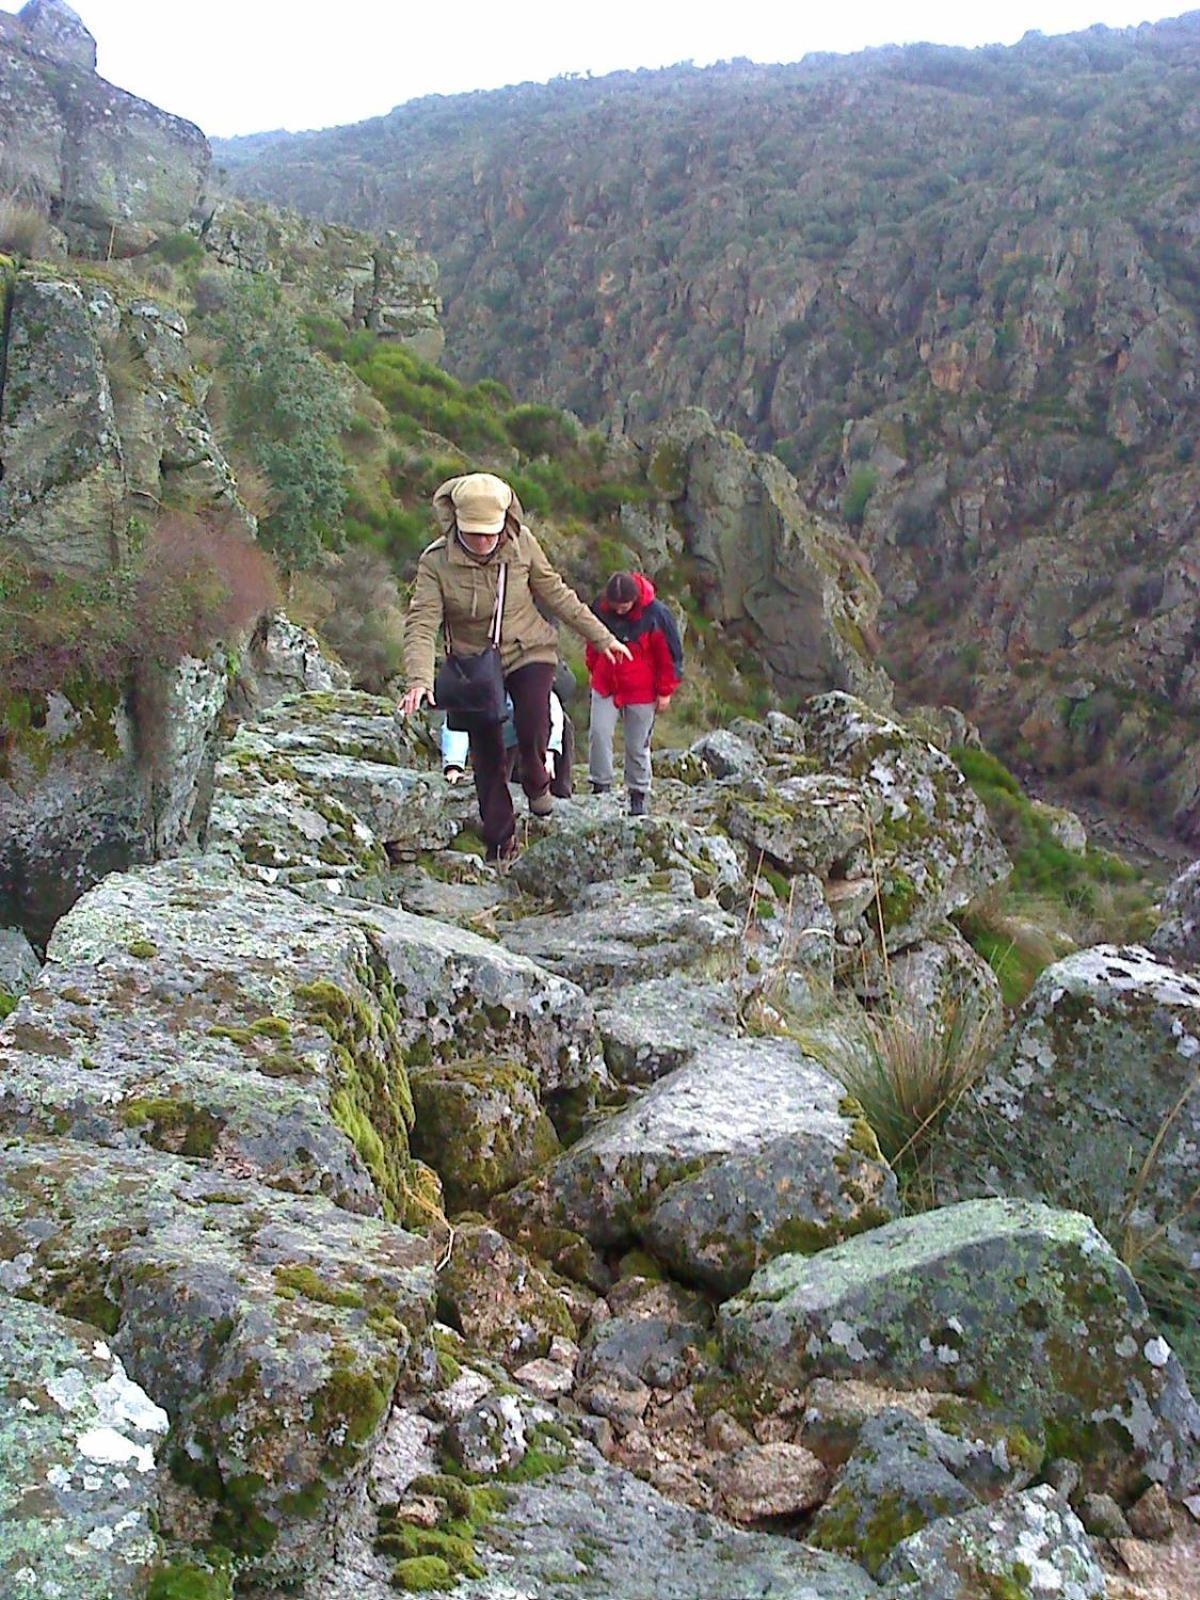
x=400 y=1224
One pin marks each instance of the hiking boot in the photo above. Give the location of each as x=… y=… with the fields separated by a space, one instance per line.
x=542 y=805
x=601 y=788
x=637 y=802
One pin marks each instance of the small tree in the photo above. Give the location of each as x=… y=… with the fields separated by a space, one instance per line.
x=287 y=406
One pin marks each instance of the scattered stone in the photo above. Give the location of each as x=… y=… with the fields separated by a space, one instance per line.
x=1150 y=1514
x=492 y=1437
x=502 y=1302
x=771 y=1480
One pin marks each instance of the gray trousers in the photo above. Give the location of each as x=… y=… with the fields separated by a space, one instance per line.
x=638 y=723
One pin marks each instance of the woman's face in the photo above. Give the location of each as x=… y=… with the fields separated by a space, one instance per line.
x=480 y=544
x=621 y=607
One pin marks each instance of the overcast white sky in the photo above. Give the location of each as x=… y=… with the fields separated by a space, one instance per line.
x=242 y=66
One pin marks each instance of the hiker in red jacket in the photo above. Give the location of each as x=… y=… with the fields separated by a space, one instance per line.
x=633 y=690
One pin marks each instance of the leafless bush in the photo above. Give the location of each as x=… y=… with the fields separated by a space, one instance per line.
x=365 y=626
x=24 y=230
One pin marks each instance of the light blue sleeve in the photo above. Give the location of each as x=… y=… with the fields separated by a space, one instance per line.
x=454 y=748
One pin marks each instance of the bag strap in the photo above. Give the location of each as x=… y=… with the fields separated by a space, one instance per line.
x=497 y=613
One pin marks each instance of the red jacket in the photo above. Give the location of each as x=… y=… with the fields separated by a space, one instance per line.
x=650 y=632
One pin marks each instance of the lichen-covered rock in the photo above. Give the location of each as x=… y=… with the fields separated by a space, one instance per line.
x=79 y=1468
x=593 y=1532
x=116 y=170
x=904 y=1474
x=459 y=994
x=808 y=823
x=1177 y=937
x=504 y=1304
x=649 y=1029
x=1011 y=1303
x=944 y=979
x=747 y=1151
x=1029 y=1545
x=285 y=658
x=932 y=847
x=653 y=1340
x=281 y=819
x=492 y=1437
x=271 y=1328
x=63 y=492
x=186 y=1007
x=19 y=965
x=724 y=754
x=627 y=933
x=600 y=844
x=1092 y=1075
x=480 y=1124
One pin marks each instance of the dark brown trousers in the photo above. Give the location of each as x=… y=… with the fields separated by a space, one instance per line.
x=530 y=690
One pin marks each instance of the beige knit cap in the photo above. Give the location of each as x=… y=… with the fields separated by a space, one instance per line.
x=481 y=502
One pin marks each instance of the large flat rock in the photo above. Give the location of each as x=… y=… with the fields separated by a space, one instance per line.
x=748 y=1150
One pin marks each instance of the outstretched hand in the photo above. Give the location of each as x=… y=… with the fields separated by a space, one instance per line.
x=411 y=699
x=617 y=652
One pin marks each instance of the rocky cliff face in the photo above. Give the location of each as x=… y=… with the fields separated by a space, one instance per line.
x=110 y=170
x=957 y=291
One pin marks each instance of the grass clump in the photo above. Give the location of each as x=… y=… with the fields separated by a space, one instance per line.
x=904 y=1072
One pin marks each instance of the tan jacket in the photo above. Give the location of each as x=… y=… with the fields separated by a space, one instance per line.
x=454 y=589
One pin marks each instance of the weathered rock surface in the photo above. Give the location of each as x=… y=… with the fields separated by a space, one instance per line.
x=932 y=848
x=19 y=965
x=113 y=169
x=271 y=1328
x=905 y=1473
x=501 y=1301
x=480 y=1125
x=743 y=1153
x=629 y=932
x=1093 y=1072
x=1034 y=1533
x=594 y=1531
x=79 y=1473
x=1177 y=937
x=649 y=1029
x=1012 y=1303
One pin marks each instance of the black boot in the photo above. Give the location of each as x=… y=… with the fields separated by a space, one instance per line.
x=637 y=802
x=601 y=788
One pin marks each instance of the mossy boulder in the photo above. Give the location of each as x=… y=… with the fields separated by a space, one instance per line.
x=1025 y=1546
x=747 y=1151
x=592 y=1530
x=501 y=1300
x=1013 y=1304
x=187 y=1007
x=903 y=1475
x=931 y=847
x=271 y=1328
x=480 y=1126
x=80 y=1462
x=1086 y=1101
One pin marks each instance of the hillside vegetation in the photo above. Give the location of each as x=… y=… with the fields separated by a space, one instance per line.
x=955 y=290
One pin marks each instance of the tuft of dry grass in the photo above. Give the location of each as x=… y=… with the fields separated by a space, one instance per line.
x=907 y=1070
x=24 y=231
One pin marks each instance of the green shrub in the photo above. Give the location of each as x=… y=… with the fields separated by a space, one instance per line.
x=288 y=407
x=179 y=247
x=859 y=489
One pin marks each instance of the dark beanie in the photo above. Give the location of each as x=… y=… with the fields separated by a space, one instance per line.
x=621 y=589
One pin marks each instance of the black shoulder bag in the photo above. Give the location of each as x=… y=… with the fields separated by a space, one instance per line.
x=470 y=689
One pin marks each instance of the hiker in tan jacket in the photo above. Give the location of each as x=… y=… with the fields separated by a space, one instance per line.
x=456 y=588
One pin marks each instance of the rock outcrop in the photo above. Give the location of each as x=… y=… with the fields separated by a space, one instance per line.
x=248 y=1108
x=112 y=172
